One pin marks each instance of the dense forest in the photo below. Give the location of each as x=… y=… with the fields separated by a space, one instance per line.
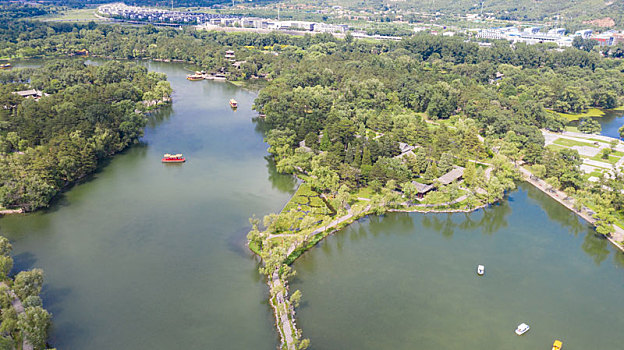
x=339 y=113
x=85 y=114
x=360 y=99
x=12 y=10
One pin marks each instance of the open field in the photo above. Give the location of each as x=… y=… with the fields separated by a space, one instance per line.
x=570 y=143
x=77 y=15
x=592 y=112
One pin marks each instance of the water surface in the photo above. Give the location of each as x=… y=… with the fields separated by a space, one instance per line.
x=408 y=281
x=147 y=255
x=151 y=256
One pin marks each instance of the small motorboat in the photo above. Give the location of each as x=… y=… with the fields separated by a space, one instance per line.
x=195 y=77
x=557 y=345
x=173 y=158
x=233 y=103
x=522 y=328
x=480 y=270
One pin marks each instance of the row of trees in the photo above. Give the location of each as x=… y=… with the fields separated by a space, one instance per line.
x=91 y=112
x=33 y=323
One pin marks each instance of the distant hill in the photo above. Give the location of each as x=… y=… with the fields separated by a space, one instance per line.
x=161 y=3
x=569 y=10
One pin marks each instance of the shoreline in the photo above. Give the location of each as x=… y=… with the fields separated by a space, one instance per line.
x=284 y=312
x=561 y=197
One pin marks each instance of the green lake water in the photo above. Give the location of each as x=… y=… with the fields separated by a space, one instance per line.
x=151 y=256
x=147 y=255
x=408 y=281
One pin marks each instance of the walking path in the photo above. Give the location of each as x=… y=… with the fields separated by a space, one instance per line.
x=282 y=311
x=19 y=308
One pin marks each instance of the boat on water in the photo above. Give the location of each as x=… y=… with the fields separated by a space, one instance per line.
x=233 y=103
x=557 y=345
x=522 y=328
x=219 y=77
x=5 y=66
x=195 y=77
x=480 y=270
x=173 y=158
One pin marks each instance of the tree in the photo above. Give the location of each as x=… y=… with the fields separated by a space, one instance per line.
x=5 y=246
x=539 y=170
x=34 y=323
x=324 y=179
x=6 y=264
x=311 y=140
x=446 y=162
x=342 y=198
x=432 y=172
x=366 y=158
x=307 y=222
x=533 y=153
x=409 y=190
x=325 y=141
x=470 y=173
x=269 y=220
x=295 y=298
x=28 y=283
x=589 y=126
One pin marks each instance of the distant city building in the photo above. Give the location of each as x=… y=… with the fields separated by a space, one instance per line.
x=585 y=33
x=532 y=35
x=604 y=39
x=557 y=31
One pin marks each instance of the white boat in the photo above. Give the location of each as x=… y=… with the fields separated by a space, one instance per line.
x=522 y=328
x=480 y=270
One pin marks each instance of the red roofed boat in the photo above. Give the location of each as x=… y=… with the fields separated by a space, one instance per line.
x=173 y=158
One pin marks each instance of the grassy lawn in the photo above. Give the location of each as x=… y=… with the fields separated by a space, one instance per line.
x=555 y=147
x=592 y=112
x=306 y=202
x=365 y=192
x=617 y=154
x=421 y=180
x=571 y=128
x=596 y=174
x=598 y=140
x=612 y=159
x=570 y=143
x=78 y=15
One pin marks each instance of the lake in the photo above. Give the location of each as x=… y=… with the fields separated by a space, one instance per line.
x=145 y=255
x=408 y=281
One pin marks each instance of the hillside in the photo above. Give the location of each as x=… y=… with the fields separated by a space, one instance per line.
x=574 y=11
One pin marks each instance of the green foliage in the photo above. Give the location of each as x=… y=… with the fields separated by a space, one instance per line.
x=35 y=323
x=589 y=126
x=28 y=283
x=48 y=144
